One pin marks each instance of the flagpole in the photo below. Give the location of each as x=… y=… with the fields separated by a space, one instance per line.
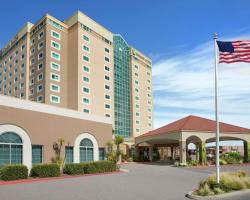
x=216 y=112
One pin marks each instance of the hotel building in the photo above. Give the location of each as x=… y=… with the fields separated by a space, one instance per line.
x=80 y=65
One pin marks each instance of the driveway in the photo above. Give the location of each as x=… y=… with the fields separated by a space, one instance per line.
x=142 y=182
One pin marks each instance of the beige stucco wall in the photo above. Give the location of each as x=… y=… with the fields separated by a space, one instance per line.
x=45 y=129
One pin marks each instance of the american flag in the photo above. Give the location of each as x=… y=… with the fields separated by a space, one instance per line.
x=235 y=51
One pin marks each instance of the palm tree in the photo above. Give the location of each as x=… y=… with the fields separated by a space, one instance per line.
x=118 y=140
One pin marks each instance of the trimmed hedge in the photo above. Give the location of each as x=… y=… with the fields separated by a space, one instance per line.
x=13 y=172
x=45 y=170
x=74 y=169
x=90 y=167
x=99 y=167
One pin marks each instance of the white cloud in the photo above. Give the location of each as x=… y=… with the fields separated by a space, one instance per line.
x=184 y=85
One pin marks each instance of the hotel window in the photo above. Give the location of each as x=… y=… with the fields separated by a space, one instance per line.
x=85 y=79
x=107 y=115
x=107 y=96
x=55 y=77
x=136 y=82
x=85 y=68
x=22 y=75
x=22 y=94
x=107 y=78
x=137 y=114
x=149 y=124
x=32 y=71
x=106 y=59
x=23 y=47
x=55 y=45
x=10 y=58
x=22 y=57
x=54 y=88
x=86 y=38
x=40 y=45
x=11 y=148
x=15 y=88
x=148 y=81
x=137 y=98
x=32 y=41
x=16 y=52
x=55 y=55
x=37 y=154
x=10 y=83
x=16 y=79
x=86 y=90
x=55 y=66
x=137 y=106
x=136 y=67
x=107 y=87
x=56 y=35
x=54 y=99
x=136 y=74
x=39 y=98
x=23 y=66
x=40 y=77
x=31 y=91
x=107 y=106
x=86 y=58
x=69 y=155
x=136 y=89
x=40 y=56
x=10 y=75
x=32 y=51
x=137 y=122
x=85 y=48
x=85 y=110
x=106 y=50
x=40 y=34
x=148 y=73
x=39 y=88
x=86 y=100
x=32 y=61
x=107 y=68
x=149 y=109
x=137 y=130
x=39 y=66
x=32 y=81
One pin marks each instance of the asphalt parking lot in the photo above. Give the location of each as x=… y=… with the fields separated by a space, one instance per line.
x=141 y=182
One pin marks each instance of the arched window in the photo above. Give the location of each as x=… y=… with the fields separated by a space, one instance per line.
x=11 y=149
x=86 y=150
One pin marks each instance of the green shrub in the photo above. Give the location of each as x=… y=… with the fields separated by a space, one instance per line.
x=223 y=162
x=13 y=172
x=73 y=169
x=231 y=181
x=99 y=167
x=232 y=158
x=130 y=159
x=45 y=170
x=193 y=163
x=90 y=167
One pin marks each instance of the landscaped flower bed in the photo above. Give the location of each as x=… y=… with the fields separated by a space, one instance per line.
x=231 y=181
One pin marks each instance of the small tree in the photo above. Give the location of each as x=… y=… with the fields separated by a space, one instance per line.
x=118 y=141
x=58 y=159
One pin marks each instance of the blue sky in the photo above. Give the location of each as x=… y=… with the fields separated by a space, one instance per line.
x=177 y=35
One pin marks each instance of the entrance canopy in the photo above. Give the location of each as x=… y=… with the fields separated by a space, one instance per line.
x=193 y=129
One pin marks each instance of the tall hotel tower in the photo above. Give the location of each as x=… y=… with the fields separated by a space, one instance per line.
x=80 y=65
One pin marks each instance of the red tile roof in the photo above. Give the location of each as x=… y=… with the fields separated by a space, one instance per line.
x=194 y=123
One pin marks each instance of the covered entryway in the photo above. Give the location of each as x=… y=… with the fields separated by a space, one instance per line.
x=186 y=139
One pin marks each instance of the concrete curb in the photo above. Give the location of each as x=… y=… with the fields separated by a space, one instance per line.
x=217 y=197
